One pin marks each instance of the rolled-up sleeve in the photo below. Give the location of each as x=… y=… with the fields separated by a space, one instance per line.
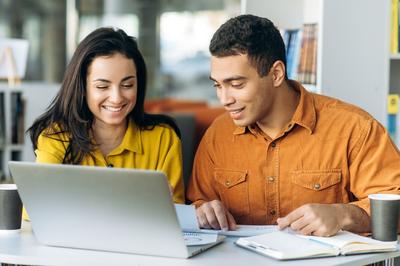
x=375 y=167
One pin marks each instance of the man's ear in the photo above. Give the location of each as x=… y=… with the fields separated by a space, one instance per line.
x=278 y=71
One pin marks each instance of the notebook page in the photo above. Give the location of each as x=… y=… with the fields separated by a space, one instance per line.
x=287 y=246
x=345 y=238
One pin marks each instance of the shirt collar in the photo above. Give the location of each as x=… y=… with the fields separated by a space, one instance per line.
x=132 y=140
x=304 y=114
x=239 y=130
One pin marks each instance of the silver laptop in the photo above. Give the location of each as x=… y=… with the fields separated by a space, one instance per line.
x=111 y=209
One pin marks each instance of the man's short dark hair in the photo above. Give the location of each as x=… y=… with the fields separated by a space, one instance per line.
x=255 y=36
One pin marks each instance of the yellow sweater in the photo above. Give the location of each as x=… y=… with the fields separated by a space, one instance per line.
x=155 y=149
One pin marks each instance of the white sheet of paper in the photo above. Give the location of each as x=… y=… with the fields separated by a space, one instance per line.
x=245 y=230
x=187 y=217
x=188 y=221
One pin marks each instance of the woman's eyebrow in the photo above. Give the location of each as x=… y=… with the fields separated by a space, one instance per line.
x=106 y=80
x=102 y=80
x=128 y=77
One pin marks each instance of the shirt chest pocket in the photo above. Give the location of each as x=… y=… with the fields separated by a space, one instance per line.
x=316 y=186
x=233 y=189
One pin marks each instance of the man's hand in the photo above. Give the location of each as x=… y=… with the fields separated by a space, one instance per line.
x=214 y=215
x=326 y=219
x=313 y=219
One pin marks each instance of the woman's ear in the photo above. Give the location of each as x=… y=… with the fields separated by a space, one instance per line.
x=278 y=71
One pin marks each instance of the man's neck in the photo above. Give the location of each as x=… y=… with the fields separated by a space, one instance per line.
x=284 y=106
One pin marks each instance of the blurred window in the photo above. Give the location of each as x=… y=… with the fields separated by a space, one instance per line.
x=185 y=59
x=173 y=36
x=128 y=22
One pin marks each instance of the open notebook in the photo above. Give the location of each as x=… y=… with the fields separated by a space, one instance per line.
x=285 y=246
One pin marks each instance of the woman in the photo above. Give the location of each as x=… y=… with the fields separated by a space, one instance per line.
x=97 y=118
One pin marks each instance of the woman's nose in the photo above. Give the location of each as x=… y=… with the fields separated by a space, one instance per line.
x=115 y=95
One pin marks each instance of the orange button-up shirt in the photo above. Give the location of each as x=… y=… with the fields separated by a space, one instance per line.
x=330 y=152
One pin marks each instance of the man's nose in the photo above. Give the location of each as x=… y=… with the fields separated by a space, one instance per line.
x=225 y=97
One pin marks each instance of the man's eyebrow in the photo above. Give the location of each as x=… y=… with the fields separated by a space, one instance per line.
x=227 y=80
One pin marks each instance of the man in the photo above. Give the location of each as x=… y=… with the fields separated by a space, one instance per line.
x=281 y=154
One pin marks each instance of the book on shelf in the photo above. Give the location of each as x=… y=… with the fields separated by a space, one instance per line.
x=2 y=175
x=2 y=121
x=398 y=26
x=21 y=121
x=295 y=54
x=308 y=56
x=284 y=245
x=17 y=118
x=395 y=27
x=301 y=53
x=292 y=40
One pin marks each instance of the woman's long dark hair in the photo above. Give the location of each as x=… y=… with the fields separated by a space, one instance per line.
x=69 y=113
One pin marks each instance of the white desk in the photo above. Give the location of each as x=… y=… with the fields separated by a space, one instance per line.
x=22 y=248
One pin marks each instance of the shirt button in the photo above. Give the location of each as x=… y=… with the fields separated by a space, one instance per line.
x=317 y=186
x=271 y=179
x=273 y=144
x=227 y=183
x=110 y=165
x=272 y=212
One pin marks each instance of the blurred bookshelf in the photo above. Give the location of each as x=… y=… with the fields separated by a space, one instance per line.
x=12 y=127
x=301 y=54
x=19 y=107
x=394 y=84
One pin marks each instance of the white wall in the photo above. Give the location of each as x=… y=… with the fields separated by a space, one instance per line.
x=287 y=14
x=355 y=45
